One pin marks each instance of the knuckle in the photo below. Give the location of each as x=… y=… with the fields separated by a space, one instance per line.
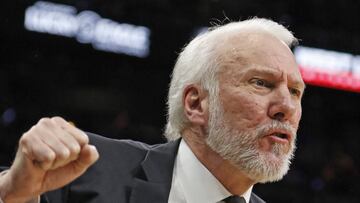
x=64 y=153
x=74 y=149
x=49 y=156
x=25 y=139
x=85 y=138
x=23 y=143
x=44 y=121
x=57 y=119
x=81 y=137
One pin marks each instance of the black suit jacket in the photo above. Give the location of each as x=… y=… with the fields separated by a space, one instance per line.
x=127 y=171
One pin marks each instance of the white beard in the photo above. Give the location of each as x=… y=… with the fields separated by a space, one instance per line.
x=241 y=148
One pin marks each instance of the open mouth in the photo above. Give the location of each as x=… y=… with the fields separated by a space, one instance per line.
x=280 y=136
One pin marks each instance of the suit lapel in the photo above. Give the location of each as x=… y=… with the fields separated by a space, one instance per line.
x=153 y=181
x=255 y=199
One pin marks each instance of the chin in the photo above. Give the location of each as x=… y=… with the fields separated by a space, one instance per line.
x=275 y=167
x=267 y=166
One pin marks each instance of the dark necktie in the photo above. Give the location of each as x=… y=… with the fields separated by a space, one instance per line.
x=234 y=199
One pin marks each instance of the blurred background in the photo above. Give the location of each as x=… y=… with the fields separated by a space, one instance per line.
x=105 y=66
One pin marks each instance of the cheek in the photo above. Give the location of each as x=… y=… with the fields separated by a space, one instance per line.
x=245 y=111
x=297 y=117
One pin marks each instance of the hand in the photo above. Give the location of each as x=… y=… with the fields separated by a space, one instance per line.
x=51 y=154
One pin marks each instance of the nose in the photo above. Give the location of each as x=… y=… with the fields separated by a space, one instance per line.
x=282 y=107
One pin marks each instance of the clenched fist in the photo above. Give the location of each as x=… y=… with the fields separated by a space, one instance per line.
x=50 y=155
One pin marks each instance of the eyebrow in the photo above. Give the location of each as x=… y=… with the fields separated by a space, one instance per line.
x=263 y=71
x=272 y=72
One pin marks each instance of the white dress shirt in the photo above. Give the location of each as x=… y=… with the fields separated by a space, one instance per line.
x=193 y=183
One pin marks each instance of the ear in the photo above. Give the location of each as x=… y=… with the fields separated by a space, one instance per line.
x=195 y=102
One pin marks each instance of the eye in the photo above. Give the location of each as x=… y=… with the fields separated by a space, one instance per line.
x=261 y=82
x=295 y=92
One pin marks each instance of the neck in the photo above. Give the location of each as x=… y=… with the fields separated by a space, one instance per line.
x=233 y=179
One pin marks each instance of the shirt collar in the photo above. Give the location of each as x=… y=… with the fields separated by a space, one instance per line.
x=198 y=184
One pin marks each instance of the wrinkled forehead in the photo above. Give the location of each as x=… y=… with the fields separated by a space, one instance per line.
x=248 y=44
x=255 y=48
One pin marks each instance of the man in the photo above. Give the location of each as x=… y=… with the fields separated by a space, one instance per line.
x=234 y=108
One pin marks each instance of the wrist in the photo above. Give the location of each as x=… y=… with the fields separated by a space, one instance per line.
x=7 y=194
x=4 y=186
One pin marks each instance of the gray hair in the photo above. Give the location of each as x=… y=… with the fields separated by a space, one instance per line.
x=198 y=64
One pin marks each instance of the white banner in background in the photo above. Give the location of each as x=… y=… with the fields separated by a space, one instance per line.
x=88 y=27
x=329 y=68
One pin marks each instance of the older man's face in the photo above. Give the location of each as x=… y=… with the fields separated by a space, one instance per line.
x=260 y=106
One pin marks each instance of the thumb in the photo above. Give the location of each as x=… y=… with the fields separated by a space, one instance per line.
x=88 y=156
